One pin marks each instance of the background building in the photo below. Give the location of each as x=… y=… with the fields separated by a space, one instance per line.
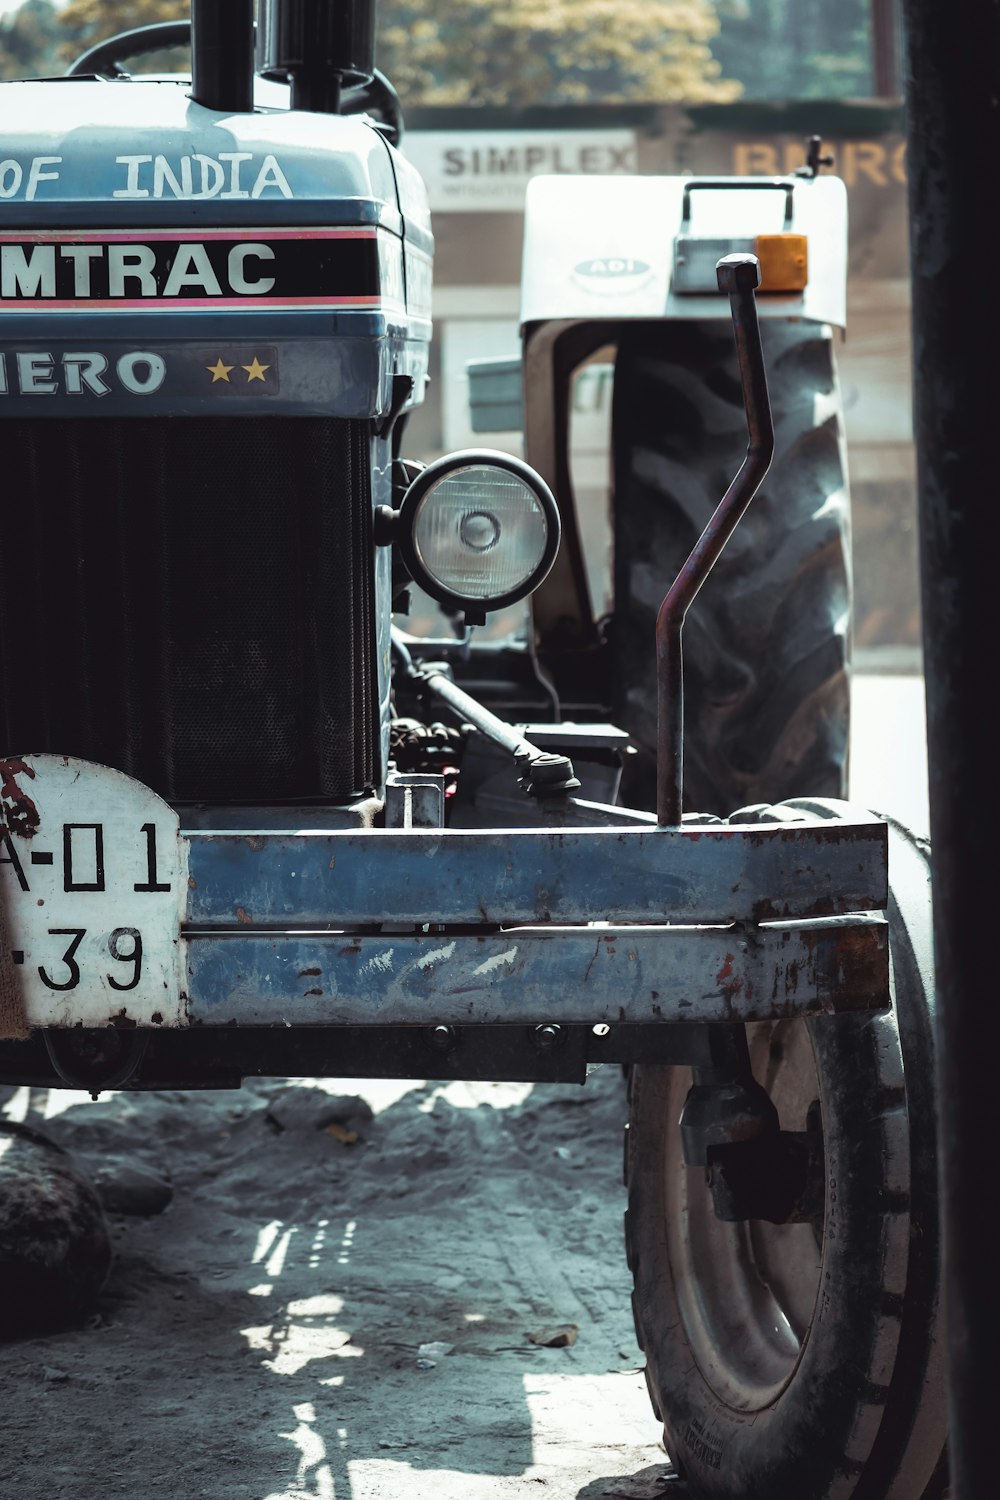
x=477 y=163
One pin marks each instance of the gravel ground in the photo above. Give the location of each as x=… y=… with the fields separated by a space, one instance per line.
x=262 y=1336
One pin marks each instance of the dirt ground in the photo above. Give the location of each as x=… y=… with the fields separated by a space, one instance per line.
x=262 y=1336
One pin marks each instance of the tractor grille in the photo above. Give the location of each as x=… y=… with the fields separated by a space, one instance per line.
x=189 y=600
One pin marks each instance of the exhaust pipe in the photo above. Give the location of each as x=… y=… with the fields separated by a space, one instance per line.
x=320 y=46
x=222 y=55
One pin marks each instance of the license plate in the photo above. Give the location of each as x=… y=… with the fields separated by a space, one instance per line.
x=93 y=879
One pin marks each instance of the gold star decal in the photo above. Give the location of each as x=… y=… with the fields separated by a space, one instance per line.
x=255 y=371
x=219 y=371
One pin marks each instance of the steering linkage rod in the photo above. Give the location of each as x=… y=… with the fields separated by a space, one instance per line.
x=739 y=275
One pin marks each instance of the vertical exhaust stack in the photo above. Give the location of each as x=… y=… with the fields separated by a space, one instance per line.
x=320 y=46
x=222 y=54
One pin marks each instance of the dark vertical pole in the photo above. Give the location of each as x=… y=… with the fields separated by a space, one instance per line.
x=222 y=54
x=952 y=84
x=885 y=48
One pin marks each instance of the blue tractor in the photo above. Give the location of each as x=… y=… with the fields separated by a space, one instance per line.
x=251 y=825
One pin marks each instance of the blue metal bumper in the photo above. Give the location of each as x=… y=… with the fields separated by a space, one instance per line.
x=114 y=915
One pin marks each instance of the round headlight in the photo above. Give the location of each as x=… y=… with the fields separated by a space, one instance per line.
x=478 y=530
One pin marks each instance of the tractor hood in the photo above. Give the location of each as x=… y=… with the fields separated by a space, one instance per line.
x=133 y=219
x=75 y=142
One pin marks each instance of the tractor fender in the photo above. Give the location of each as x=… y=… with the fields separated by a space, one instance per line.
x=606 y=247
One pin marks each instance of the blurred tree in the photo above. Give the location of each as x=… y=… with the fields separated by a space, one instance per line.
x=106 y=17
x=91 y=21
x=518 y=52
x=508 y=51
x=497 y=52
x=796 y=49
x=30 y=41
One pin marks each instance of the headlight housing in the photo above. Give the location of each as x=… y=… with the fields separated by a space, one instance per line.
x=478 y=530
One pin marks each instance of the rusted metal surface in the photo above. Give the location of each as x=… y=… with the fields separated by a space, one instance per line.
x=116 y=918
x=18 y=813
x=414 y=801
x=716 y=874
x=739 y=275
x=556 y=975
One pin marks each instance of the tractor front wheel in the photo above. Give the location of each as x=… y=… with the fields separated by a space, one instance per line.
x=805 y=1358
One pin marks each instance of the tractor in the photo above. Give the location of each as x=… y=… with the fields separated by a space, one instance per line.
x=254 y=825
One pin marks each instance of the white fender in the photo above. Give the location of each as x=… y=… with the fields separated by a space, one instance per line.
x=603 y=247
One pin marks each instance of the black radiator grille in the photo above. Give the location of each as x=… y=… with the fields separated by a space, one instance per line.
x=189 y=600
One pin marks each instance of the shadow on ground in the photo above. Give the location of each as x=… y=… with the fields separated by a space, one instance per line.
x=263 y=1337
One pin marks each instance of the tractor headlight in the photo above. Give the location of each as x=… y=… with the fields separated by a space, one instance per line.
x=478 y=530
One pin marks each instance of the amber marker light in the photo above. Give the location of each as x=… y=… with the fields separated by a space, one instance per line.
x=784 y=262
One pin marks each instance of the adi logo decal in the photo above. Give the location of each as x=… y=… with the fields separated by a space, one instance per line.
x=612 y=275
x=611 y=268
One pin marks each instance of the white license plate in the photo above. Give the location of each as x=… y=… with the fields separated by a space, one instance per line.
x=93 y=878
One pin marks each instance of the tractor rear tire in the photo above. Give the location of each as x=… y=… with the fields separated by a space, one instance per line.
x=766 y=640
x=806 y=1359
